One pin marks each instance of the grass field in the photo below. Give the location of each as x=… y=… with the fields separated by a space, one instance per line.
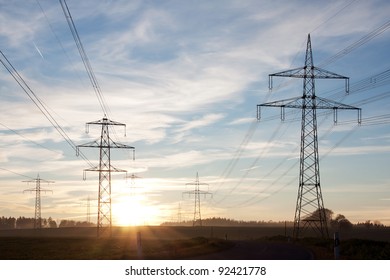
x=176 y=243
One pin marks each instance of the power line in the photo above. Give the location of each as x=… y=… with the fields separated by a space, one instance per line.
x=38 y=103
x=29 y=140
x=360 y=42
x=363 y=40
x=84 y=57
x=334 y=15
x=16 y=173
x=56 y=37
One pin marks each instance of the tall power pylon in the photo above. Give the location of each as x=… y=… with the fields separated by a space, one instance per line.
x=105 y=144
x=38 y=190
x=310 y=211
x=197 y=192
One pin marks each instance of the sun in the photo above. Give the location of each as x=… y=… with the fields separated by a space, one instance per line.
x=127 y=211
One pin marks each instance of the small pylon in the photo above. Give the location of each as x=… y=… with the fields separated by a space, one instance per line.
x=197 y=192
x=88 y=204
x=37 y=190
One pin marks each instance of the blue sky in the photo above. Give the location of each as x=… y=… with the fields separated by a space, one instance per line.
x=185 y=77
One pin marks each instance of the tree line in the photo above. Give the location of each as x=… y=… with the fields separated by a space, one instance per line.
x=339 y=222
x=25 y=223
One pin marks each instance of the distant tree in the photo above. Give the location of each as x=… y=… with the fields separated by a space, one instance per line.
x=367 y=224
x=51 y=223
x=23 y=222
x=7 y=223
x=84 y=224
x=67 y=223
x=316 y=215
x=72 y=223
x=377 y=223
x=340 y=222
x=217 y=221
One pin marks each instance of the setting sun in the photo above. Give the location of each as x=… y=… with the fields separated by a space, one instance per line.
x=132 y=210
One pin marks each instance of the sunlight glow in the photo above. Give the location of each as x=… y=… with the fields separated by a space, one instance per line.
x=133 y=210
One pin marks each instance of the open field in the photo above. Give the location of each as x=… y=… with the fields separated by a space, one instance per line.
x=188 y=243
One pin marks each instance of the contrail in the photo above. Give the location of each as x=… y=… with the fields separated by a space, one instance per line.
x=38 y=50
x=251 y=168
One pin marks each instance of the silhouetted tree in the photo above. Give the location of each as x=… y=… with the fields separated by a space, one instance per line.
x=340 y=222
x=316 y=215
x=51 y=223
x=7 y=223
x=67 y=223
x=23 y=222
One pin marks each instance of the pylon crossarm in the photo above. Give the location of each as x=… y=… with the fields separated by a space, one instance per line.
x=323 y=103
x=120 y=146
x=40 y=180
x=92 y=144
x=292 y=73
x=195 y=183
x=106 y=121
x=298 y=103
x=320 y=73
x=313 y=72
x=295 y=102
x=114 y=169
x=34 y=190
x=97 y=169
x=112 y=144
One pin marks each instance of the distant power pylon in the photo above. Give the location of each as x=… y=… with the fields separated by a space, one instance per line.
x=105 y=144
x=179 y=214
x=310 y=211
x=133 y=186
x=38 y=190
x=88 y=208
x=197 y=192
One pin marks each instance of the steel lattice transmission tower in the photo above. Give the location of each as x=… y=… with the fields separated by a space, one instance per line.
x=88 y=213
x=310 y=211
x=38 y=190
x=104 y=144
x=197 y=192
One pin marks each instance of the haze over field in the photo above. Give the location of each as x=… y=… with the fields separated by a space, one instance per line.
x=185 y=77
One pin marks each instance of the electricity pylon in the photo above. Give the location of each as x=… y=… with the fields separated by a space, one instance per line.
x=38 y=190
x=105 y=144
x=88 y=216
x=310 y=211
x=133 y=187
x=197 y=192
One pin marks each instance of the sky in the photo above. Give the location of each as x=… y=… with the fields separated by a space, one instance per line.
x=185 y=77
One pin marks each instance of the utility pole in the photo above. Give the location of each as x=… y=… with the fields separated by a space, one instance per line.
x=310 y=211
x=104 y=144
x=197 y=192
x=37 y=190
